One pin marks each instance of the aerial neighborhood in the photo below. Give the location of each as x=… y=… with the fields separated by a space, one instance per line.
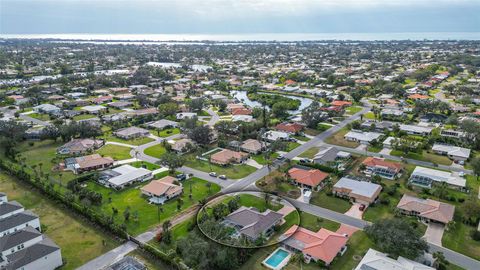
x=342 y=155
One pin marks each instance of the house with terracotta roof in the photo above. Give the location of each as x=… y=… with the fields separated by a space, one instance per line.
x=312 y=179
x=162 y=190
x=241 y=111
x=341 y=103
x=323 y=245
x=226 y=156
x=427 y=210
x=253 y=146
x=381 y=167
x=88 y=163
x=80 y=146
x=292 y=128
x=418 y=96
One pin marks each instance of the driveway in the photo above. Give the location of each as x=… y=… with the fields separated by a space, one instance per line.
x=355 y=212
x=361 y=147
x=434 y=233
x=253 y=163
x=385 y=151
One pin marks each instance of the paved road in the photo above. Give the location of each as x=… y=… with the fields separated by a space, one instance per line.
x=215 y=117
x=456 y=258
x=34 y=120
x=110 y=257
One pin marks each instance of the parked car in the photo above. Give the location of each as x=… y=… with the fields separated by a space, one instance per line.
x=362 y=207
x=305 y=160
x=213 y=174
x=461 y=174
x=223 y=177
x=182 y=176
x=280 y=157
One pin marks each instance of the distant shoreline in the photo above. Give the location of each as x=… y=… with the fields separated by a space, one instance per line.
x=254 y=38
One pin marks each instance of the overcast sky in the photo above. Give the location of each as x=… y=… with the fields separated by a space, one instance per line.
x=237 y=16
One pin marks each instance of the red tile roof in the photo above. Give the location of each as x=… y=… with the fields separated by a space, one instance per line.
x=374 y=162
x=307 y=177
x=418 y=96
x=290 y=127
x=341 y=103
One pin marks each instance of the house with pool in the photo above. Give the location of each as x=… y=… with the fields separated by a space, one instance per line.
x=323 y=245
x=252 y=223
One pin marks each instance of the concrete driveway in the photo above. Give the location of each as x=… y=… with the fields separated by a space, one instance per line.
x=355 y=212
x=434 y=233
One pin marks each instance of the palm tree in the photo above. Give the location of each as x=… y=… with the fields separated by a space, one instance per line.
x=166 y=225
x=297 y=258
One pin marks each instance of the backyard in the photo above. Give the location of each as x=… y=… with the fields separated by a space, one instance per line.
x=149 y=215
x=67 y=230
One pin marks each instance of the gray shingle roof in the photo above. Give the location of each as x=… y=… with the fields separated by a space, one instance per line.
x=31 y=254
x=12 y=240
x=17 y=219
x=9 y=207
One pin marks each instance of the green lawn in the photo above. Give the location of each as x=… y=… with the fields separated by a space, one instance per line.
x=358 y=245
x=136 y=141
x=458 y=238
x=313 y=223
x=374 y=149
x=330 y=202
x=338 y=139
x=369 y=115
x=115 y=151
x=260 y=158
x=424 y=156
x=149 y=215
x=67 y=230
x=155 y=151
x=249 y=200
x=301 y=138
x=39 y=116
x=83 y=116
x=147 y=165
x=235 y=171
x=353 y=109
x=323 y=127
x=310 y=153
x=168 y=132
x=291 y=146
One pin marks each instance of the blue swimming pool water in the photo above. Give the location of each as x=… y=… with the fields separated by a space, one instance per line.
x=276 y=258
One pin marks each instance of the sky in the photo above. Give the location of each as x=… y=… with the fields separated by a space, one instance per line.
x=237 y=16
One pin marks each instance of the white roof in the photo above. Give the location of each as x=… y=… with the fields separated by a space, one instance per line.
x=389 y=140
x=127 y=174
x=93 y=108
x=275 y=135
x=363 y=136
x=452 y=150
x=47 y=107
x=378 y=260
x=439 y=176
x=417 y=129
x=362 y=188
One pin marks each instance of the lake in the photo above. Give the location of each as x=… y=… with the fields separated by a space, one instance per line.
x=242 y=96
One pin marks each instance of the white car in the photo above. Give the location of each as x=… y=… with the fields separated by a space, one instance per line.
x=461 y=174
x=213 y=174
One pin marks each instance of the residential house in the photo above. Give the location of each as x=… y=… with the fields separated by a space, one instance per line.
x=453 y=152
x=18 y=221
x=381 y=167
x=162 y=190
x=253 y=146
x=120 y=104
x=124 y=175
x=374 y=260
x=226 y=156
x=292 y=128
x=416 y=130
x=45 y=255
x=94 y=109
x=10 y=208
x=341 y=103
x=163 y=124
x=272 y=136
x=329 y=155
x=102 y=99
x=251 y=223
x=185 y=115
x=323 y=245
x=450 y=133
x=183 y=145
x=131 y=133
x=357 y=191
x=80 y=146
x=311 y=179
x=427 y=210
x=241 y=111
x=87 y=163
x=378 y=126
x=426 y=177
x=47 y=108
x=362 y=137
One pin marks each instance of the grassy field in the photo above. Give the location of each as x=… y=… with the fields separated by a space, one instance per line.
x=148 y=214
x=65 y=229
x=358 y=245
x=338 y=139
x=310 y=153
x=424 y=156
x=314 y=224
x=323 y=127
x=136 y=141
x=374 y=149
x=40 y=116
x=147 y=165
x=83 y=116
x=168 y=132
x=249 y=200
x=260 y=158
x=369 y=115
x=330 y=202
x=155 y=151
x=459 y=239
x=231 y=171
x=353 y=109
x=291 y=146
x=115 y=151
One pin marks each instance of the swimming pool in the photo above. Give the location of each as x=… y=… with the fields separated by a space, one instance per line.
x=278 y=259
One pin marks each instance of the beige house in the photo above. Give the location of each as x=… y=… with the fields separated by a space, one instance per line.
x=227 y=156
x=427 y=210
x=162 y=190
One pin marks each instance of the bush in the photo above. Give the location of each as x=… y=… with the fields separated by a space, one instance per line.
x=476 y=235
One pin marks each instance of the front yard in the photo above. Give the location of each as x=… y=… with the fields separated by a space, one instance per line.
x=459 y=238
x=149 y=215
x=156 y=150
x=168 y=132
x=338 y=139
x=330 y=202
x=115 y=151
x=136 y=141
x=424 y=156
x=235 y=171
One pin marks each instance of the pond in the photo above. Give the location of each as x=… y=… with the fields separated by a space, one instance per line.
x=242 y=97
